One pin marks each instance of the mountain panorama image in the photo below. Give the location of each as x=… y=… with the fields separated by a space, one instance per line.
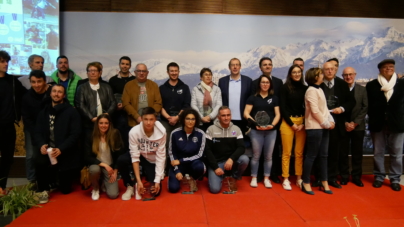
x=195 y=41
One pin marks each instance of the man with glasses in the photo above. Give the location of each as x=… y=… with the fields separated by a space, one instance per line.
x=138 y=94
x=35 y=62
x=236 y=89
x=355 y=127
x=340 y=101
x=386 y=122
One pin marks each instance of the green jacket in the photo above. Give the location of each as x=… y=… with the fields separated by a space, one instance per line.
x=72 y=85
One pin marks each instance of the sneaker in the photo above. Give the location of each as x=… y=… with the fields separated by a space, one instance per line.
x=254 y=182
x=138 y=196
x=299 y=183
x=286 y=185
x=128 y=194
x=95 y=194
x=43 y=197
x=267 y=183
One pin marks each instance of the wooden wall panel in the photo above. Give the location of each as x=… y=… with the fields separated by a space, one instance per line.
x=335 y=8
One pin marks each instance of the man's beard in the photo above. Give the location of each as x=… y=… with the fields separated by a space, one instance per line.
x=57 y=102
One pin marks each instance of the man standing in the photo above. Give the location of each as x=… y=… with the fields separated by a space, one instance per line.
x=57 y=131
x=147 y=149
x=33 y=102
x=225 y=150
x=339 y=102
x=139 y=94
x=35 y=62
x=11 y=92
x=239 y=86
x=66 y=77
x=117 y=83
x=299 y=62
x=176 y=97
x=355 y=128
x=386 y=111
x=266 y=67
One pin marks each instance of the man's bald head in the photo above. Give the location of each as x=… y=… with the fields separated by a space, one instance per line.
x=349 y=75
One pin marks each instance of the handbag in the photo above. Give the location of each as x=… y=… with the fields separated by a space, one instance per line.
x=85 y=178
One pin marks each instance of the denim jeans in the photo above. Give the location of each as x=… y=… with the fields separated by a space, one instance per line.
x=215 y=181
x=317 y=145
x=262 y=141
x=394 y=142
x=29 y=156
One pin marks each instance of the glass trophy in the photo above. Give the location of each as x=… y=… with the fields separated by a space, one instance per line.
x=148 y=193
x=332 y=102
x=262 y=118
x=206 y=110
x=230 y=185
x=188 y=185
x=118 y=98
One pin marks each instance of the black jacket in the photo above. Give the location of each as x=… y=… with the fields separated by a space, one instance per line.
x=86 y=102
x=175 y=98
x=17 y=92
x=381 y=112
x=346 y=100
x=67 y=129
x=32 y=105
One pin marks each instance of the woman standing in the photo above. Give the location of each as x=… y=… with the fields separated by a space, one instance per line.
x=185 y=150
x=262 y=137
x=318 y=121
x=102 y=153
x=206 y=99
x=292 y=127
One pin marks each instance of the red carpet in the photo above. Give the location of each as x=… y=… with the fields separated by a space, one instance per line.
x=248 y=207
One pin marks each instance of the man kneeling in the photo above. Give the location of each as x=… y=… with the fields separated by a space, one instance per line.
x=225 y=150
x=147 y=149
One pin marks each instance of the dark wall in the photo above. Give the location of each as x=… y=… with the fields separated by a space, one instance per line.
x=330 y=8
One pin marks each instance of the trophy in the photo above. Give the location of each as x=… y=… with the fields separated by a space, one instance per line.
x=188 y=184
x=230 y=185
x=118 y=98
x=148 y=193
x=332 y=102
x=262 y=118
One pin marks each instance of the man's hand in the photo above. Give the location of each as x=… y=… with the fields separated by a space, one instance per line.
x=119 y=106
x=228 y=164
x=55 y=152
x=44 y=148
x=219 y=172
x=205 y=119
x=179 y=176
x=94 y=119
x=172 y=120
x=349 y=126
x=337 y=110
x=175 y=162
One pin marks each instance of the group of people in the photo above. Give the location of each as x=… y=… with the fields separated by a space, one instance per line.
x=131 y=124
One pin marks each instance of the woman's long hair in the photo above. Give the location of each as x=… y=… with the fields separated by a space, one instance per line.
x=112 y=137
x=289 y=79
x=271 y=86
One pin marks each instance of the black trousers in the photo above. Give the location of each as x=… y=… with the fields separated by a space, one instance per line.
x=354 y=144
x=47 y=173
x=337 y=156
x=7 y=147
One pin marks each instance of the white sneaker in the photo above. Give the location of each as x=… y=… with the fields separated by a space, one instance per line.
x=254 y=182
x=286 y=185
x=138 y=196
x=128 y=194
x=299 y=183
x=95 y=194
x=267 y=183
x=43 y=197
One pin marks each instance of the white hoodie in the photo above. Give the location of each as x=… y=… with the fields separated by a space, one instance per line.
x=152 y=148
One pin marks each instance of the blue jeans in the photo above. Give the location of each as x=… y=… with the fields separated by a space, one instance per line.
x=317 y=145
x=215 y=181
x=262 y=141
x=394 y=142
x=29 y=156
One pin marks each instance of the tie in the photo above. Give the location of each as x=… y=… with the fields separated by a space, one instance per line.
x=329 y=84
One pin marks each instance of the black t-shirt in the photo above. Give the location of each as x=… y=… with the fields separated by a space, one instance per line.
x=266 y=104
x=6 y=102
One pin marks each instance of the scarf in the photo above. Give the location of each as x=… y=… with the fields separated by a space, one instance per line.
x=207 y=98
x=99 y=106
x=387 y=86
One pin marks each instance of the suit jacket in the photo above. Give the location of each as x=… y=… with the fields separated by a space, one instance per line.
x=347 y=101
x=381 y=112
x=360 y=110
x=245 y=91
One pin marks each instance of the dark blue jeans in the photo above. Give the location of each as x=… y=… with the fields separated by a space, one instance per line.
x=317 y=145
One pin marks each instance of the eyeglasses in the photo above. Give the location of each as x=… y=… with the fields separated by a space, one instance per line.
x=190 y=119
x=296 y=73
x=92 y=70
x=348 y=74
x=141 y=71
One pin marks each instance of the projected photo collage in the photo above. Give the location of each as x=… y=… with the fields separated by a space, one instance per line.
x=29 y=27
